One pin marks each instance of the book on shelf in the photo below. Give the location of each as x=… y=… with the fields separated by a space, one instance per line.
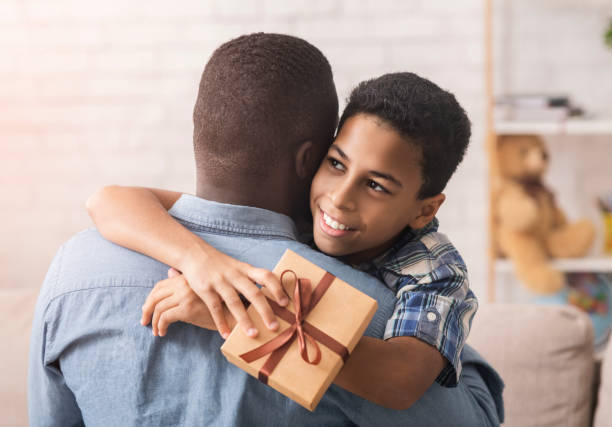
x=535 y=107
x=511 y=113
x=539 y=101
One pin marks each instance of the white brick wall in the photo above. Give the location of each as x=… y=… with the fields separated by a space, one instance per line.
x=93 y=93
x=556 y=46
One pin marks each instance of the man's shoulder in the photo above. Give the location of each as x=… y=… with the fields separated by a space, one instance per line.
x=99 y=255
x=87 y=260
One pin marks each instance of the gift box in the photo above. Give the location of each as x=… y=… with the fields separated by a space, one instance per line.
x=319 y=328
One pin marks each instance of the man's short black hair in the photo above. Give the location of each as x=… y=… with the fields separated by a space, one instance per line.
x=425 y=115
x=260 y=96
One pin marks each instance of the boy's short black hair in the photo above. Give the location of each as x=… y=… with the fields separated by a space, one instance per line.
x=260 y=95
x=424 y=114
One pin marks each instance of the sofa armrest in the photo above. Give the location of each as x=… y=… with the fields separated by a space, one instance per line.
x=544 y=355
x=17 y=310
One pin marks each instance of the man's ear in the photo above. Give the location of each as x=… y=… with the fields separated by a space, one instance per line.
x=305 y=160
x=427 y=211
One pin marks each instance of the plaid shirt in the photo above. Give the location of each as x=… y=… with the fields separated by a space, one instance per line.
x=434 y=301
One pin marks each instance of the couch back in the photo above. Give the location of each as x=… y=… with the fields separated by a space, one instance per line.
x=545 y=356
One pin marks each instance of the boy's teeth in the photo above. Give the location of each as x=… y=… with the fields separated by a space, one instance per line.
x=333 y=223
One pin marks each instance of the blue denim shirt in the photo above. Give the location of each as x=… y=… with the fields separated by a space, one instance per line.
x=92 y=363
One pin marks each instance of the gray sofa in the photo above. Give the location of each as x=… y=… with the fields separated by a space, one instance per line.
x=545 y=356
x=543 y=353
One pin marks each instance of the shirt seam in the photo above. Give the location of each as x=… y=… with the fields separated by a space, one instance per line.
x=48 y=343
x=99 y=287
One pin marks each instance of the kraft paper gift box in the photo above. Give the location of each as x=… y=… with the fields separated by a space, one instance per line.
x=337 y=319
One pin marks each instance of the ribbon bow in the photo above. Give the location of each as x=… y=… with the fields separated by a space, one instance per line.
x=304 y=299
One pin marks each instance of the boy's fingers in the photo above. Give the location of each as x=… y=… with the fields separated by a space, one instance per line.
x=215 y=307
x=157 y=294
x=167 y=318
x=161 y=307
x=172 y=272
x=259 y=301
x=271 y=282
x=236 y=307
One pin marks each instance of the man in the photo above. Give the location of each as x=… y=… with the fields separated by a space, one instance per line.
x=265 y=115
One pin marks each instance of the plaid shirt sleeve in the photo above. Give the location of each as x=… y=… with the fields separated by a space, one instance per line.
x=434 y=302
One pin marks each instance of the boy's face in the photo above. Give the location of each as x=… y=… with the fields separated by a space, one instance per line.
x=365 y=191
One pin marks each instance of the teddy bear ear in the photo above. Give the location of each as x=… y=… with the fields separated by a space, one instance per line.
x=527 y=140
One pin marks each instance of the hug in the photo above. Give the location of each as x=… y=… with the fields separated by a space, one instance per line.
x=132 y=314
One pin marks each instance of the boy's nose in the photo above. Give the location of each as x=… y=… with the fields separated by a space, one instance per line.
x=342 y=198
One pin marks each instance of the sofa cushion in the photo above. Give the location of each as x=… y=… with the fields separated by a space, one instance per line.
x=544 y=355
x=16 y=309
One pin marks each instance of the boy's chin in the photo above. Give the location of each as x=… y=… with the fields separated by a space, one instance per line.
x=328 y=249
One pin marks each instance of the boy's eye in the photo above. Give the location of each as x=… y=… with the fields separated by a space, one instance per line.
x=334 y=163
x=376 y=186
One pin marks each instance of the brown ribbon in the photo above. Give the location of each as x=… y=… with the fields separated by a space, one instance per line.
x=304 y=300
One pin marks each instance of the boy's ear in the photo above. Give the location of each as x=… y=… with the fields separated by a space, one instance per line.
x=305 y=160
x=427 y=211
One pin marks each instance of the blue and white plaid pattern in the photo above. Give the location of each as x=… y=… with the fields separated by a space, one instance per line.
x=434 y=301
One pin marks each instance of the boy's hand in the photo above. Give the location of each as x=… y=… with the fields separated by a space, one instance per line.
x=217 y=278
x=172 y=300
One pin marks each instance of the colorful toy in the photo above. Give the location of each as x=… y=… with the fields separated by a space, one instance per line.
x=591 y=292
x=588 y=293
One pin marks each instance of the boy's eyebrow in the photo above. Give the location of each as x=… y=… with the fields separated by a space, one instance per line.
x=340 y=152
x=387 y=177
x=377 y=174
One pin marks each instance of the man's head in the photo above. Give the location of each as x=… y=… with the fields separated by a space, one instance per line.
x=261 y=97
x=399 y=141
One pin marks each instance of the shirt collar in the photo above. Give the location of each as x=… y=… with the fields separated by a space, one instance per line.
x=207 y=215
x=386 y=259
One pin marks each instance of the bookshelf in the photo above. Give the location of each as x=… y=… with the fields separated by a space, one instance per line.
x=594 y=132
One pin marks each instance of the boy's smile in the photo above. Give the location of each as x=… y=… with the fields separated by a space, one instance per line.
x=365 y=191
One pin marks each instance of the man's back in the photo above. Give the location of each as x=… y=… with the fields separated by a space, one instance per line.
x=92 y=362
x=99 y=362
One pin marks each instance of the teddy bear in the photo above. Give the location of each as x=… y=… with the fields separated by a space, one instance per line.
x=529 y=227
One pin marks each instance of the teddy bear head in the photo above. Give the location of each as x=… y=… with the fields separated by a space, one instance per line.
x=522 y=157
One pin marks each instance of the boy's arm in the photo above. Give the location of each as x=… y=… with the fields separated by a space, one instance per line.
x=394 y=373
x=138 y=219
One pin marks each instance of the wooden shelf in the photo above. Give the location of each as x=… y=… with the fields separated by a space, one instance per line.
x=568 y=127
x=588 y=264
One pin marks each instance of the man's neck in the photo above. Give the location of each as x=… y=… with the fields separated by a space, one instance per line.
x=259 y=196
